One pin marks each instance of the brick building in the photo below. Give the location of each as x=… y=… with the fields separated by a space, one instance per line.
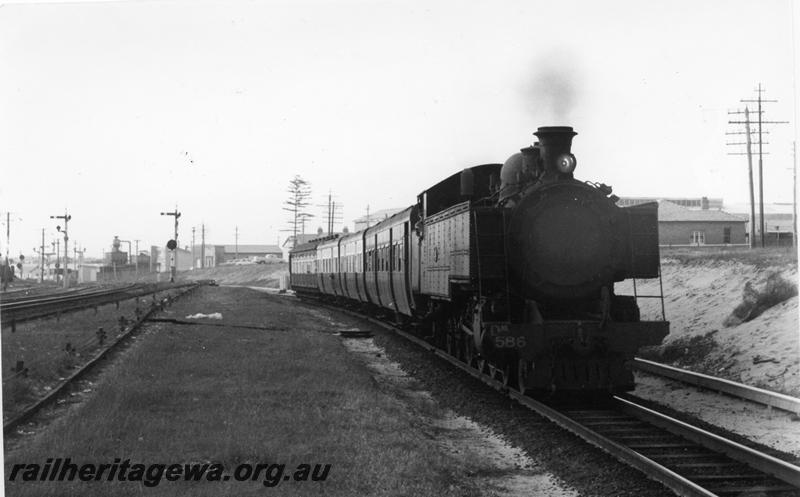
x=682 y=227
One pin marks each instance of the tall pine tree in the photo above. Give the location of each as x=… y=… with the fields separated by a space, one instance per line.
x=299 y=193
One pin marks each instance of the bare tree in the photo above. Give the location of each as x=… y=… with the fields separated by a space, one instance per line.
x=299 y=192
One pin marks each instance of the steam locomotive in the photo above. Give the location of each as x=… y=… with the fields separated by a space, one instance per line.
x=509 y=267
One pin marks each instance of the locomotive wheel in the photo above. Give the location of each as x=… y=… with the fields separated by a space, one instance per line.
x=435 y=334
x=510 y=375
x=469 y=351
x=523 y=370
x=450 y=345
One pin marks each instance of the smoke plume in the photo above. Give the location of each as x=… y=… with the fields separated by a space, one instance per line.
x=552 y=92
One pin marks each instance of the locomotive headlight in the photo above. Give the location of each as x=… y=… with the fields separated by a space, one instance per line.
x=566 y=163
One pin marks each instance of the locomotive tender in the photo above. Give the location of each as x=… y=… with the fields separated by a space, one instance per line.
x=509 y=267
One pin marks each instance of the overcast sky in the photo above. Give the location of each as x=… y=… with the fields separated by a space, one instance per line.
x=117 y=111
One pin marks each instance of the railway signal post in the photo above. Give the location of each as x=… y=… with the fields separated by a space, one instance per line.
x=66 y=217
x=174 y=259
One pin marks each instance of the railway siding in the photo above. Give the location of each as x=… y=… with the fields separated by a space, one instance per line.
x=758 y=395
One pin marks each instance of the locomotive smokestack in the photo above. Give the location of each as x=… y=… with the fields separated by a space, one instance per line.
x=556 y=142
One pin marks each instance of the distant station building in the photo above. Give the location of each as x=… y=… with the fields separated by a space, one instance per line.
x=213 y=256
x=209 y=255
x=694 y=222
x=703 y=203
x=680 y=227
x=161 y=259
x=778 y=222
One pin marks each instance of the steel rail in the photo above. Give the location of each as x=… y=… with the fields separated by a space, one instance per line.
x=753 y=458
x=60 y=297
x=758 y=395
x=54 y=394
x=12 y=313
x=679 y=484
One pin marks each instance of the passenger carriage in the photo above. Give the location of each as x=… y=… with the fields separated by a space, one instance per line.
x=328 y=266
x=388 y=268
x=303 y=268
x=351 y=266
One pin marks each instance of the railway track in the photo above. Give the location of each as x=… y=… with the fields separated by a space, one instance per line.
x=732 y=388
x=686 y=459
x=22 y=308
x=30 y=411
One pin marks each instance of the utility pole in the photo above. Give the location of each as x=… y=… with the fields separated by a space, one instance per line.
x=750 y=177
x=194 y=257
x=174 y=268
x=66 y=217
x=748 y=142
x=58 y=258
x=41 y=259
x=8 y=234
x=761 y=122
x=794 y=194
x=79 y=263
x=333 y=217
x=203 y=245
x=136 y=271
x=236 y=237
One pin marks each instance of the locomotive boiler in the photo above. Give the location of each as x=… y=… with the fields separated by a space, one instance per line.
x=510 y=267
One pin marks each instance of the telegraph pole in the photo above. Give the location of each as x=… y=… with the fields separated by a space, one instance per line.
x=748 y=142
x=794 y=194
x=41 y=259
x=136 y=271
x=236 y=237
x=8 y=234
x=761 y=122
x=174 y=268
x=66 y=217
x=203 y=245
x=58 y=259
x=194 y=258
x=333 y=217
